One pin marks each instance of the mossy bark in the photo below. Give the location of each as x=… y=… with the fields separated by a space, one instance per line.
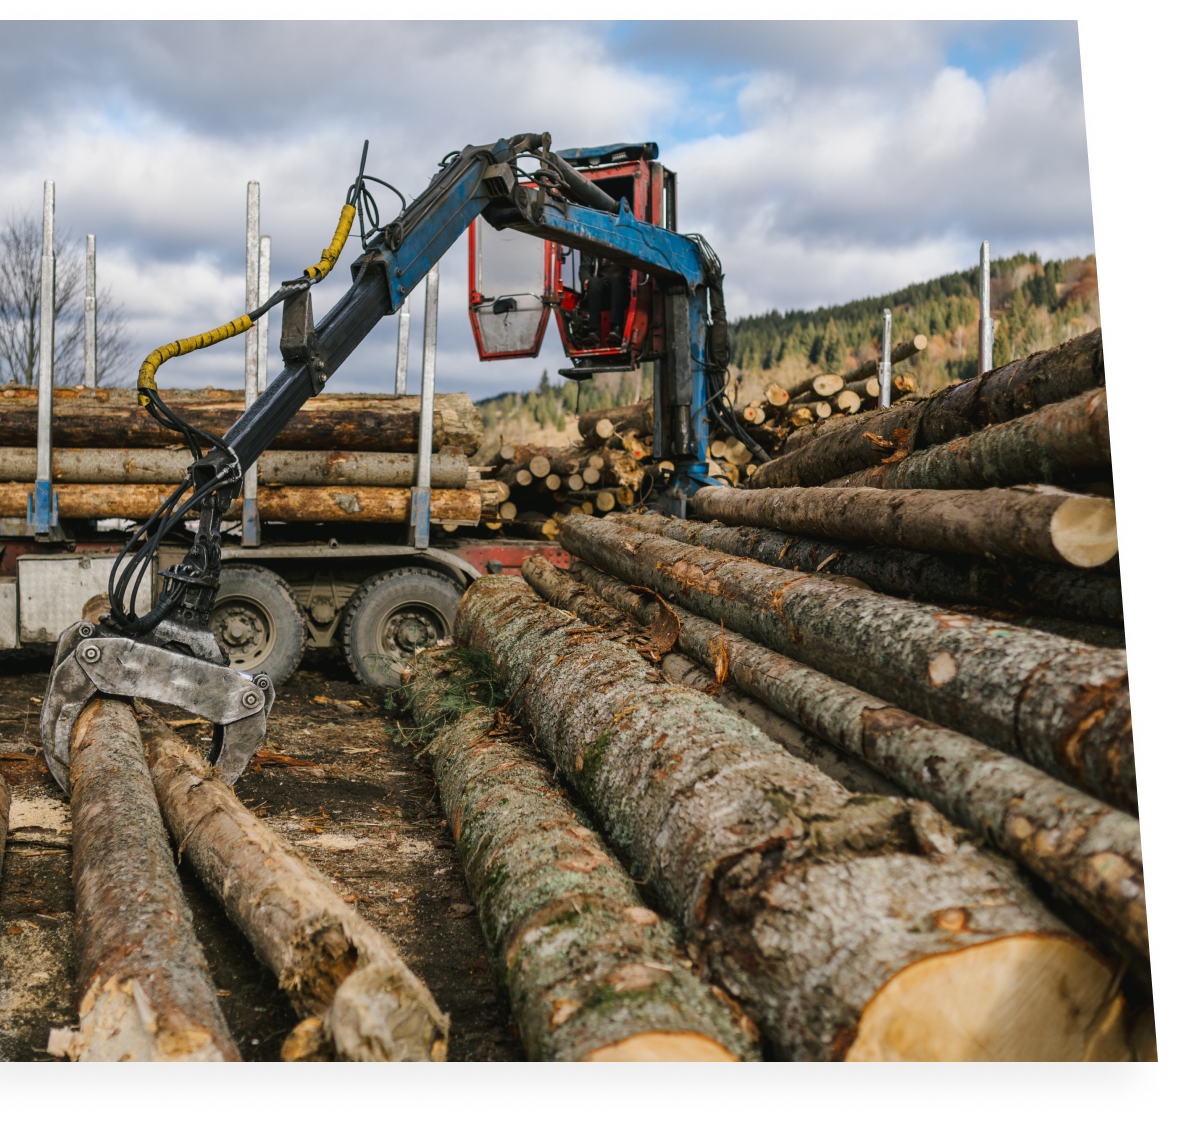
x=1050 y=590
x=586 y=966
x=1058 y=704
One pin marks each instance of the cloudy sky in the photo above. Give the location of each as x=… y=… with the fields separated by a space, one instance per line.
x=823 y=161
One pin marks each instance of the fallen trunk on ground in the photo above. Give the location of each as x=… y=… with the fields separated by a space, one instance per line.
x=1040 y=524
x=1049 y=590
x=1090 y=851
x=144 y=987
x=1060 y=705
x=1043 y=446
x=590 y=972
x=850 y=926
x=996 y=396
x=360 y=998
x=285 y=504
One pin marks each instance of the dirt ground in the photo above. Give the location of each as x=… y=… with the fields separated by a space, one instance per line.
x=362 y=809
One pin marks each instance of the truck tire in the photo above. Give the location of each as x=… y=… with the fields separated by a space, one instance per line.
x=258 y=622
x=392 y=614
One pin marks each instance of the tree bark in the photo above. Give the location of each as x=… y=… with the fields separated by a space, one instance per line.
x=998 y=395
x=1042 y=447
x=1060 y=705
x=1090 y=851
x=590 y=972
x=286 y=504
x=143 y=983
x=1048 y=590
x=333 y=965
x=844 y=923
x=357 y=422
x=900 y=352
x=5 y=805
x=1041 y=524
x=637 y=418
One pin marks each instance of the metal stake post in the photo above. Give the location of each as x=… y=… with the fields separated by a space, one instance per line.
x=264 y=325
x=250 y=530
x=885 y=362
x=42 y=505
x=985 y=323
x=90 y=366
x=419 y=502
x=402 y=383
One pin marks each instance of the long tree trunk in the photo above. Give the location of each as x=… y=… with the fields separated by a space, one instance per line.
x=590 y=972
x=998 y=395
x=1039 y=524
x=144 y=987
x=1048 y=590
x=637 y=418
x=286 y=504
x=1060 y=705
x=5 y=804
x=334 y=966
x=900 y=352
x=1088 y=850
x=850 y=926
x=358 y=422
x=1043 y=446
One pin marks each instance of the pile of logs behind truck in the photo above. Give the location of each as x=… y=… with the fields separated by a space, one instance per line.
x=333 y=569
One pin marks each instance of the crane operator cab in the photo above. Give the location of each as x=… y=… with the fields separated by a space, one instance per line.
x=605 y=312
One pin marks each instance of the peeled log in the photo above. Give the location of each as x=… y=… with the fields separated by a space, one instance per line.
x=1040 y=447
x=333 y=965
x=1090 y=851
x=637 y=418
x=357 y=422
x=1047 y=590
x=816 y=908
x=590 y=972
x=997 y=396
x=1041 y=523
x=285 y=504
x=1058 y=704
x=144 y=985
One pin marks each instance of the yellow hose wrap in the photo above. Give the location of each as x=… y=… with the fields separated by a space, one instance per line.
x=332 y=252
x=182 y=347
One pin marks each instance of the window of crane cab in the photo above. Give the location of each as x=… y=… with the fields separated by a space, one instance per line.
x=508 y=278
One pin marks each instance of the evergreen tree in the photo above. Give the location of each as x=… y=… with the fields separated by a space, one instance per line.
x=833 y=351
x=1001 y=344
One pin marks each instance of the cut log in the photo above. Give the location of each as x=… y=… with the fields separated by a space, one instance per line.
x=822 y=385
x=1042 y=447
x=1035 y=523
x=814 y=907
x=5 y=804
x=285 y=504
x=821 y=409
x=551 y=483
x=574 y=483
x=523 y=478
x=507 y=511
x=591 y=476
x=998 y=395
x=1088 y=850
x=332 y=964
x=539 y=466
x=754 y=414
x=801 y=416
x=591 y=973
x=357 y=422
x=847 y=401
x=637 y=418
x=144 y=985
x=866 y=388
x=1036 y=589
x=775 y=395
x=900 y=352
x=1060 y=705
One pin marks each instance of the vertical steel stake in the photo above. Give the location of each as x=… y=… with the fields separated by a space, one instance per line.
x=402 y=383
x=90 y=366
x=42 y=512
x=885 y=362
x=264 y=325
x=985 y=323
x=419 y=501
x=251 y=531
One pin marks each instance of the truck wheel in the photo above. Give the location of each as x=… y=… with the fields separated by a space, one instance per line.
x=393 y=614
x=258 y=622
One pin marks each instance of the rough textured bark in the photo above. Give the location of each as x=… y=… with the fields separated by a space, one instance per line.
x=144 y=991
x=1088 y=850
x=1060 y=705
x=333 y=965
x=5 y=804
x=590 y=972
x=1031 y=523
x=817 y=908
x=286 y=504
x=1048 y=590
x=1042 y=447
x=448 y=469
x=358 y=422
x=637 y=418
x=998 y=395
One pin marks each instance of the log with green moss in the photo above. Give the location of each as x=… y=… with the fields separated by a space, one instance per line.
x=998 y=395
x=1090 y=851
x=1092 y=596
x=849 y=926
x=1058 y=704
x=591 y=973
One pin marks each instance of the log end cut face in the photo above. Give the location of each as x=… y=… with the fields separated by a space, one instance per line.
x=1028 y=997
x=1084 y=531
x=663 y=1047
